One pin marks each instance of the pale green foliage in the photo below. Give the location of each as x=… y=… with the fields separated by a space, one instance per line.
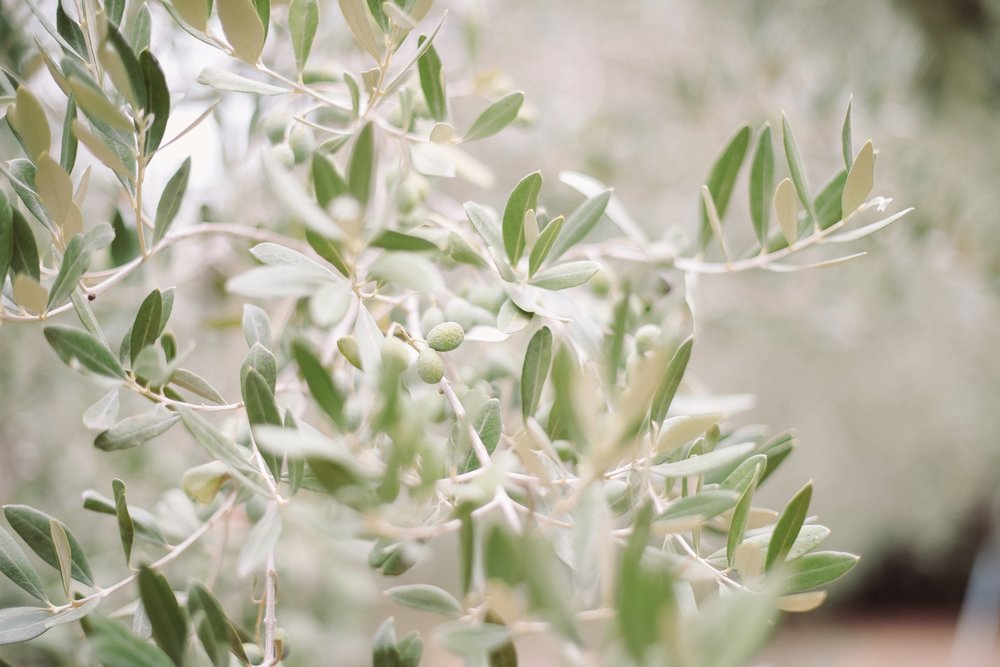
x=494 y=375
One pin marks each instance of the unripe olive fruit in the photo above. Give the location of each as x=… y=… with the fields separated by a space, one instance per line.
x=646 y=338
x=446 y=336
x=395 y=355
x=430 y=366
x=254 y=653
x=302 y=143
x=284 y=155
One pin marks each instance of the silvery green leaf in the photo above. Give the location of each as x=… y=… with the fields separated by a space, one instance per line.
x=99 y=237
x=116 y=646
x=34 y=527
x=16 y=567
x=704 y=505
x=103 y=414
x=158 y=100
x=191 y=381
x=543 y=245
x=408 y=271
x=511 y=319
x=564 y=276
x=786 y=210
x=362 y=165
x=303 y=18
x=27 y=119
x=860 y=180
x=591 y=187
x=722 y=178
x=269 y=282
x=523 y=197
x=426 y=598
x=24 y=250
x=75 y=345
x=535 y=370
x=76 y=260
x=170 y=201
x=146 y=327
x=260 y=542
x=467 y=639
x=222 y=448
x=762 y=184
x=579 y=223
x=817 y=569
x=136 y=430
x=126 y=528
x=786 y=530
x=256 y=326
x=432 y=82
x=221 y=79
x=496 y=117
x=667 y=389
x=358 y=19
x=168 y=622
x=393 y=240
x=795 y=168
x=20 y=624
x=98 y=107
x=703 y=463
x=867 y=230
x=290 y=193
x=243 y=28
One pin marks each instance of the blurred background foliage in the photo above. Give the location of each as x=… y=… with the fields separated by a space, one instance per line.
x=887 y=367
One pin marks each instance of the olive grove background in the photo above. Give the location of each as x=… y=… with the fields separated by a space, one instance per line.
x=887 y=367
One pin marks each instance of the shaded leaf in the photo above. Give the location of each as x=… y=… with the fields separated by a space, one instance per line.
x=496 y=117
x=33 y=526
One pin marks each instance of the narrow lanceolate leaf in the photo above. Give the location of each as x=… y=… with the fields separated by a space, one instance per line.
x=114 y=645
x=220 y=79
x=535 y=369
x=564 y=276
x=34 y=527
x=846 y=141
x=243 y=28
x=123 y=69
x=523 y=197
x=795 y=168
x=700 y=464
x=259 y=398
x=327 y=181
x=496 y=117
x=21 y=624
x=722 y=178
x=761 y=184
x=671 y=380
x=75 y=262
x=54 y=188
x=543 y=245
x=196 y=384
x=432 y=82
x=361 y=170
x=704 y=505
x=157 y=100
x=16 y=567
x=170 y=629
x=76 y=345
x=357 y=17
x=485 y=225
x=194 y=12
x=214 y=629
x=786 y=210
x=126 y=529
x=27 y=118
x=260 y=542
x=426 y=598
x=303 y=18
x=146 y=327
x=67 y=153
x=579 y=223
x=170 y=200
x=6 y=235
x=101 y=151
x=860 y=180
x=98 y=107
x=136 y=430
x=786 y=530
x=61 y=545
x=256 y=326
x=817 y=569
x=320 y=382
x=24 y=250
x=738 y=524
